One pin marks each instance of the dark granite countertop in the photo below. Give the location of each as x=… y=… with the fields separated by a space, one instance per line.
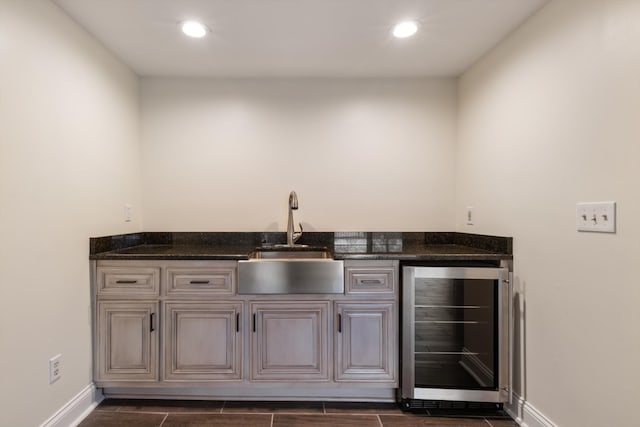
x=412 y=246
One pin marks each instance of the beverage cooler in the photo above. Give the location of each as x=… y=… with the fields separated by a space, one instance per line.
x=456 y=334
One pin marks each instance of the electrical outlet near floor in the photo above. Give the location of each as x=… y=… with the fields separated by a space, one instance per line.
x=599 y=217
x=55 y=368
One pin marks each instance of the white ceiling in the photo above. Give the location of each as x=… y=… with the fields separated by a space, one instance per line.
x=257 y=38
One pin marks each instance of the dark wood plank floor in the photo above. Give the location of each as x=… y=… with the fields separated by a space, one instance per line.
x=164 y=413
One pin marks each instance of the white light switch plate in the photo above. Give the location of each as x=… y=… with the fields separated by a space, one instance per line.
x=599 y=217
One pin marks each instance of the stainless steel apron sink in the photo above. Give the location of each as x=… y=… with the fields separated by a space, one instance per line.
x=290 y=270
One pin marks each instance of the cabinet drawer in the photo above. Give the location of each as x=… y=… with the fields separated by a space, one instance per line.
x=128 y=280
x=185 y=281
x=377 y=280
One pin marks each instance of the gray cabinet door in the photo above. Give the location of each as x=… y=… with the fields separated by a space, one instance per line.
x=127 y=345
x=290 y=341
x=366 y=343
x=202 y=341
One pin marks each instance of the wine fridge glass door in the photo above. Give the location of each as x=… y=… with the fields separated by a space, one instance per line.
x=453 y=323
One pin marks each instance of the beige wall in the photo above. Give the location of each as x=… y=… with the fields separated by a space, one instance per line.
x=548 y=119
x=362 y=154
x=69 y=160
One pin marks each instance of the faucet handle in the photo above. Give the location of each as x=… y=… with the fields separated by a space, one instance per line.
x=297 y=234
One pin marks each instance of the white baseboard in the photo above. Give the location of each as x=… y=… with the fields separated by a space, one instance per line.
x=526 y=415
x=75 y=410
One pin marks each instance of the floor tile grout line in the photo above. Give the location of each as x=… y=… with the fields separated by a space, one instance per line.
x=163 y=420
x=284 y=412
x=125 y=411
x=190 y=412
x=272 y=418
x=362 y=414
x=379 y=420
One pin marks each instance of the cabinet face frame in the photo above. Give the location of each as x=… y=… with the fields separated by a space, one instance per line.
x=127 y=344
x=209 y=327
x=284 y=336
x=364 y=329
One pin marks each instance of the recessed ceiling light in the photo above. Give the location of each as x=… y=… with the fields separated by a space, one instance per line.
x=193 y=29
x=405 y=29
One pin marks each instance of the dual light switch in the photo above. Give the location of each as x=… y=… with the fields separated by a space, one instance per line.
x=597 y=217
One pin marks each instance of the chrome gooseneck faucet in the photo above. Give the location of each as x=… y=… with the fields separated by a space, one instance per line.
x=292 y=235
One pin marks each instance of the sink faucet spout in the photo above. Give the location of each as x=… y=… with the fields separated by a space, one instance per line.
x=292 y=235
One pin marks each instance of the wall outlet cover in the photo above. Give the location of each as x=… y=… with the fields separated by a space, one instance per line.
x=55 y=368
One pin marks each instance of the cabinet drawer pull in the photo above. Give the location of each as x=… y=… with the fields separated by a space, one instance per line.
x=254 y=322
x=130 y=282
x=237 y=322
x=152 y=318
x=372 y=281
x=199 y=282
x=339 y=323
